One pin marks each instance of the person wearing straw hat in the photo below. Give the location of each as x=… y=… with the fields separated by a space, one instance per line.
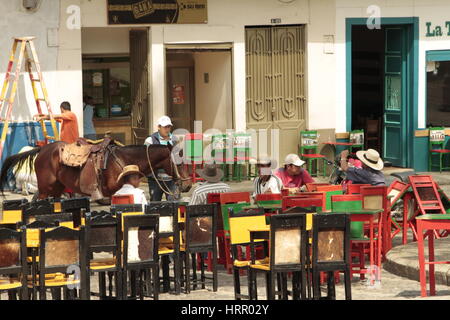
x=213 y=184
x=293 y=176
x=371 y=171
x=130 y=179
x=266 y=182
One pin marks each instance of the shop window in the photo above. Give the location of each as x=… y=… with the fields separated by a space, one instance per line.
x=107 y=81
x=438 y=93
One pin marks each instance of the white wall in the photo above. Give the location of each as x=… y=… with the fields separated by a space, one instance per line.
x=105 y=40
x=213 y=100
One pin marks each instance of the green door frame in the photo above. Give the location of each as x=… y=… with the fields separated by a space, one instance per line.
x=413 y=62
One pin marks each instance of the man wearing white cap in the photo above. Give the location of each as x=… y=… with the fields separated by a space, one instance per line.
x=164 y=137
x=293 y=176
x=266 y=182
x=370 y=173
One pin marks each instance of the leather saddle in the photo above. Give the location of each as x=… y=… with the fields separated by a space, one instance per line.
x=89 y=158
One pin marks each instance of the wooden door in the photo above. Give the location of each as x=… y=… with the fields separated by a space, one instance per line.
x=275 y=66
x=140 y=93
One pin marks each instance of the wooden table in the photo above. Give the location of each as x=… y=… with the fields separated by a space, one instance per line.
x=426 y=225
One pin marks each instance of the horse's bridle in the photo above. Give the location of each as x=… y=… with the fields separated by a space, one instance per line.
x=174 y=169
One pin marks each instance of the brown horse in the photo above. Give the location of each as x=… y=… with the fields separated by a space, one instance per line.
x=53 y=177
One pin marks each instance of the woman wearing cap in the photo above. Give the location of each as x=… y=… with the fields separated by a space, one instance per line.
x=266 y=182
x=293 y=176
x=370 y=173
x=164 y=137
x=129 y=179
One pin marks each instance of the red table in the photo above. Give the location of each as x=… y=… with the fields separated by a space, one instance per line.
x=429 y=223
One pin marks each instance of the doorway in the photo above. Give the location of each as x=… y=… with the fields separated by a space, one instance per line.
x=199 y=87
x=381 y=88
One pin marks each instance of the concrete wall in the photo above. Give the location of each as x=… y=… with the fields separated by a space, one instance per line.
x=105 y=40
x=213 y=99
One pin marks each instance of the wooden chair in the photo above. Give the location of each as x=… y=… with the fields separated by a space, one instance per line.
x=308 y=195
x=288 y=243
x=373 y=134
x=169 y=241
x=289 y=202
x=354 y=188
x=330 y=191
x=61 y=254
x=12 y=213
x=199 y=237
x=240 y=237
x=331 y=252
x=78 y=207
x=140 y=253
x=13 y=263
x=104 y=235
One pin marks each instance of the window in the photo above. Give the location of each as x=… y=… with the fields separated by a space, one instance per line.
x=438 y=90
x=107 y=81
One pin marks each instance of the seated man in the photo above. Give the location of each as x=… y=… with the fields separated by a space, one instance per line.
x=266 y=182
x=212 y=184
x=293 y=176
x=129 y=179
x=370 y=173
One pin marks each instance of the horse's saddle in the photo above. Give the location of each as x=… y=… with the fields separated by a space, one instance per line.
x=88 y=157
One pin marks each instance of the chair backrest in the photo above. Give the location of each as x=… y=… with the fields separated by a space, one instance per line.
x=234 y=197
x=355 y=188
x=122 y=199
x=436 y=136
x=309 y=139
x=103 y=234
x=289 y=202
x=12 y=211
x=288 y=240
x=220 y=144
x=168 y=217
x=59 y=219
x=396 y=190
x=242 y=146
x=13 y=252
x=331 y=241
x=200 y=229
x=268 y=197
x=78 y=207
x=33 y=209
x=140 y=240
x=426 y=194
x=372 y=127
x=312 y=187
x=375 y=197
x=342 y=203
x=330 y=191
x=213 y=198
x=194 y=146
x=60 y=248
x=357 y=137
x=126 y=208
x=234 y=200
x=241 y=222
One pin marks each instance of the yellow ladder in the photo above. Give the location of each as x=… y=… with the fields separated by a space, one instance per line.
x=27 y=51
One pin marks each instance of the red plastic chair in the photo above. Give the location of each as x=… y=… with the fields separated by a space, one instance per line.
x=268 y=197
x=312 y=187
x=122 y=199
x=289 y=202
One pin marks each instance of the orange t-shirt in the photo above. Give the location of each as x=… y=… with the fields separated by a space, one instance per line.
x=69 y=127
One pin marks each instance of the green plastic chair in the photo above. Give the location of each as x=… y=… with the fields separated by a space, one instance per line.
x=437 y=147
x=237 y=207
x=220 y=143
x=309 y=151
x=355 y=138
x=356 y=227
x=194 y=152
x=241 y=152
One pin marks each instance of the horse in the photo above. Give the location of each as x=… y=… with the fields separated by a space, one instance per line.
x=53 y=177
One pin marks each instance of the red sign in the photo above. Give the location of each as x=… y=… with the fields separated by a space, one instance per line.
x=178 y=94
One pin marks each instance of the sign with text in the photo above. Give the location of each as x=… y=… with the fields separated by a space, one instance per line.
x=157 y=11
x=438 y=30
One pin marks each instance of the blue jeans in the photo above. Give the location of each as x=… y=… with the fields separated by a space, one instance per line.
x=155 y=191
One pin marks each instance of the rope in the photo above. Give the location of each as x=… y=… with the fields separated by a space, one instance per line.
x=167 y=191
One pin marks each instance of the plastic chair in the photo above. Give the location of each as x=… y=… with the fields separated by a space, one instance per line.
x=241 y=153
x=437 y=147
x=194 y=153
x=122 y=199
x=309 y=151
x=221 y=146
x=357 y=140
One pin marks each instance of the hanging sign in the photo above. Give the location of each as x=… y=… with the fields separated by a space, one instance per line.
x=157 y=11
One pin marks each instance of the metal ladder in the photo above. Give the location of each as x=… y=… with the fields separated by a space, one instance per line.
x=27 y=51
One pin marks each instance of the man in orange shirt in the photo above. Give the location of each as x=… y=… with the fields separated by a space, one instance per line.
x=69 y=127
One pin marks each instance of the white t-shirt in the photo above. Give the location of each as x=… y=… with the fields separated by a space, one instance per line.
x=138 y=194
x=274 y=184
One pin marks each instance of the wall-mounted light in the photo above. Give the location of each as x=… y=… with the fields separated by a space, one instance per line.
x=30 y=5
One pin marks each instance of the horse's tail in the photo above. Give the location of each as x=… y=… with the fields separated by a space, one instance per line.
x=17 y=160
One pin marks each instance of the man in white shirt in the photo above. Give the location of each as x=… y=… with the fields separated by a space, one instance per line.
x=130 y=179
x=266 y=182
x=88 y=115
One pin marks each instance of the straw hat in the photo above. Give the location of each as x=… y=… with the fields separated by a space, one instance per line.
x=128 y=170
x=371 y=158
x=210 y=173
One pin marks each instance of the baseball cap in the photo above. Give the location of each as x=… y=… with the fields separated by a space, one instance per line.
x=164 y=121
x=293 y=159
